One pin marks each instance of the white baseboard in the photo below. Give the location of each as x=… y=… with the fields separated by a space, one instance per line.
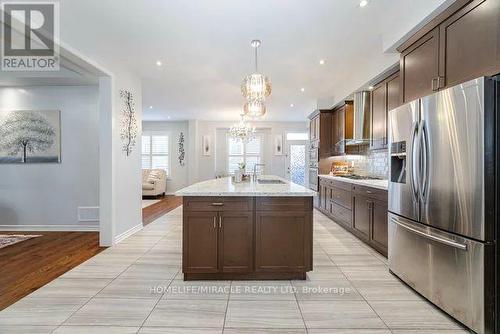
x=51 y=228
x=128 y=233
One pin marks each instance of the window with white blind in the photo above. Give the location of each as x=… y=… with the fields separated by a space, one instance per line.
x=248 y=153
x=155 y=152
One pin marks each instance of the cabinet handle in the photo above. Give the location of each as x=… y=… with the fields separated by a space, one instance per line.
x=215 y=222
x=435 y=84
x=368 y=192
x=220 y=222
x=440 y=82
x=217 y=204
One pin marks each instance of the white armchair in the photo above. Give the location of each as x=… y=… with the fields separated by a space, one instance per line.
x=154 y=182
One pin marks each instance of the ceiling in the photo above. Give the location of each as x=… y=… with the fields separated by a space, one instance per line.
x=204 y=47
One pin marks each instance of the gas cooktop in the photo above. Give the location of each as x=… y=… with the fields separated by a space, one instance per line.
x=360 y=177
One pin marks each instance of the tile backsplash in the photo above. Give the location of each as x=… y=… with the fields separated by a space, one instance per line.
x=374 y=163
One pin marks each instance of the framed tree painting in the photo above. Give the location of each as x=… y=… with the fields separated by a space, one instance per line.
x=30 y=136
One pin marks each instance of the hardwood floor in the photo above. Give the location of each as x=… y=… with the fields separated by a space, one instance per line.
x=28 y=265
x=156 y=210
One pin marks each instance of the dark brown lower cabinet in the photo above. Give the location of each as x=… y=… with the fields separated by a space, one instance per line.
x=282 y=241
x=378 y=234
x=370 y=216
x=361 y=219
x=220 y=241
x=272 y=239
x=201 y=234
x=361 y=210
x=236 y=241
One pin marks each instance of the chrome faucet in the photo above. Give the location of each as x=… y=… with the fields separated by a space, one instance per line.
x=255 y=170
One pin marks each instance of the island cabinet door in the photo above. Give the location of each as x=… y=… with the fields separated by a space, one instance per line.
x=200 y=254
x=236 y=241
x=283 y=241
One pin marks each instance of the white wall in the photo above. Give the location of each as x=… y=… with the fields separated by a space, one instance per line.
x=49 y=194
x=179 y=176
x=199 y=167
x=127 y=185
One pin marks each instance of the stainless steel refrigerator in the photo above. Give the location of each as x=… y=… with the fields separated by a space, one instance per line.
x=443 y=200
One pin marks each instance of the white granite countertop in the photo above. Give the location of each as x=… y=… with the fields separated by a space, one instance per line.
x=225 y=187
x=379 y=184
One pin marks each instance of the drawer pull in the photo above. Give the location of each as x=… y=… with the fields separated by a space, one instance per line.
x=220 y=222
x=215 y=224
x=368 y=192
x=217 y=204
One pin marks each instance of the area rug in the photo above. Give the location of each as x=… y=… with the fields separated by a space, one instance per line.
x=11 y=239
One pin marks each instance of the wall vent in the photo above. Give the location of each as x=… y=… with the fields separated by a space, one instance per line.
x=88 y=213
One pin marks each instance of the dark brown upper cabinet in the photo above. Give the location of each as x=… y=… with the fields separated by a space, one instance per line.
x=469 y=42
x=463 y=45
x=385 y=97
x=393 y=91
x=320 y=132
x=342 y=127
x=379 y=116
x=419 y=67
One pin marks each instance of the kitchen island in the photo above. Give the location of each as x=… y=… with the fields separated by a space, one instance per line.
x=250 y=230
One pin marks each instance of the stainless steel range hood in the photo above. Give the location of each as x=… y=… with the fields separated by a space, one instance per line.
x=361 y=122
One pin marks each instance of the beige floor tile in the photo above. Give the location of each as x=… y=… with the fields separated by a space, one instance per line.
x=113 y=312
x=412 y=315
x=385 y=290
x=179 y=330
x=333 y=289
x=263 y=314
x=262 y=290
x=134 y=288
x=325 y=273
x=366 y=273
x=150 y=272
x=95 y=330
x=40 y=311
x=26 y=329
x=188 y=313
x=71 y=287
x=348 y=331
x=264 y=331
x=88 y=271
x=431 y=331
x=356 y=260
x=198 y=290
x=340 y=314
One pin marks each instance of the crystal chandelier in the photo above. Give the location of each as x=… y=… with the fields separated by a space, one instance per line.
x=254 y=108
x=256 y=87
x=242 y=131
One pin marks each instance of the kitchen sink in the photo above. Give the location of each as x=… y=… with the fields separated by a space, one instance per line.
x=270 y=181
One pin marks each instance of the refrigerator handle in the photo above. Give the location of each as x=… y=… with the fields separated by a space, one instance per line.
x=414 y=170
x=424 y=173
x=430 y=236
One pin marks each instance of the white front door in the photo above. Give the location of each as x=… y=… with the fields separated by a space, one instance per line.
x=296 y=162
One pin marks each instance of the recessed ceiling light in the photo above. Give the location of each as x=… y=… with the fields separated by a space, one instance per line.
x=322 y=62
x=302 y=89
x=150 y=107
x=159 y=63
x=370 y=87
x=292 y=105
x=363 y=3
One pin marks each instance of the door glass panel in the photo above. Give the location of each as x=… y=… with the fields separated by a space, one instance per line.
x=297 y=164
